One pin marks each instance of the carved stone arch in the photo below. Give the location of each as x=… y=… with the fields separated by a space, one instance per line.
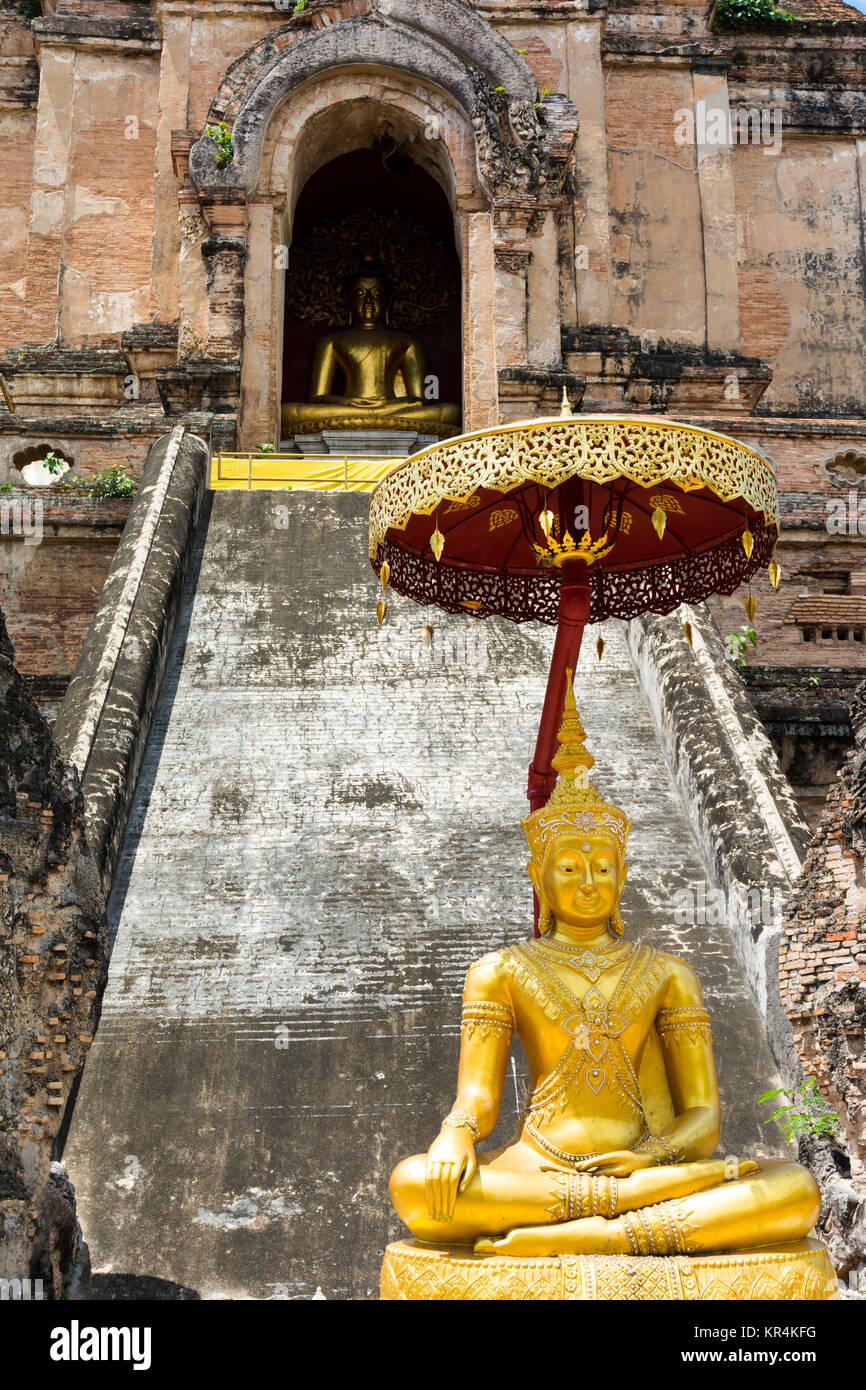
x=453 y=23
x=380 y=39
x=511 y=154
x=475 y=41
x=317 y=124
x=322 y=119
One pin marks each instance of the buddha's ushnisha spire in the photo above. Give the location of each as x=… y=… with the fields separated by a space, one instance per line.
x=573 y=761
x=575 y=803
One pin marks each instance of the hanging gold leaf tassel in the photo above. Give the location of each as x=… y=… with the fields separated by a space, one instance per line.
x=774 y=570
x=385 y=575
x=599 y=647
x=688 y=634
x=545 y=521
x=751 y=607
x=437 y=543
x=748 y=543
x=428 y=635
x=659 y=521
x=381 y=610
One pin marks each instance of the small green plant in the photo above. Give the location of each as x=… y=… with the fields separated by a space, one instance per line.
x=807 y=1112
x=101 y=486
x=222 y=137
x=813 y=681
x=740 y=12
x=7 y=486
x=300 y=6
x=112 y=483
x=737 y=643
x=267 y=449
x=54 y=464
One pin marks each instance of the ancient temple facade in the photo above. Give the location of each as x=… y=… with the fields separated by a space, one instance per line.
x=633 y=203
x=638 y=206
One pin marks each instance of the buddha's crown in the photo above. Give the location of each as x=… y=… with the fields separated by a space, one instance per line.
x=575 y=802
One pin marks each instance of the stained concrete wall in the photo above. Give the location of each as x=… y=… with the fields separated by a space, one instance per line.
x=324 y=836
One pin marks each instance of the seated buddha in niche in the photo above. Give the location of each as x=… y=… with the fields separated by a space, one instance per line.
x=383 y=372
x=614 y=1153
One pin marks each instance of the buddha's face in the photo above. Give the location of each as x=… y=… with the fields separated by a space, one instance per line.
x=582 y=879
x=369 y=301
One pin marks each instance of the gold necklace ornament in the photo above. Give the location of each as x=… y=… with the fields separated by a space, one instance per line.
x=589 y=962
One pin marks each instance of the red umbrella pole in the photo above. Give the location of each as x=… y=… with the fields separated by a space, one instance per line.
x=573 y=616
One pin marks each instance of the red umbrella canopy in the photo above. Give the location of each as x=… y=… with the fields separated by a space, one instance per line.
x=651 y=513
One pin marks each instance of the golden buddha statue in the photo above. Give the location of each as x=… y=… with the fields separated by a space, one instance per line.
x=384 y=371
x=613 y=1155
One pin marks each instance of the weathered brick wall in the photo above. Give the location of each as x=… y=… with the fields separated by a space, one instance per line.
x=19 y=87
x=17 y=129
x=52 y=570
x=53 y=963
x=109 y=200
x=88 y=454
x=822 y=980
x=810 y=563
x=800 y=260
x=822 y=960
x=655 y=206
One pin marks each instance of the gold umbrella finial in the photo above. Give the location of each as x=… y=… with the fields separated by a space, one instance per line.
x=566 y=412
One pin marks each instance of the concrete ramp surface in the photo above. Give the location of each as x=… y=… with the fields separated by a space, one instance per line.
x=325 y=834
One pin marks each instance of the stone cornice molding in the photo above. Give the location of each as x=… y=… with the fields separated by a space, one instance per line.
x=134 y=36
x=545 y=12
x=19 y=82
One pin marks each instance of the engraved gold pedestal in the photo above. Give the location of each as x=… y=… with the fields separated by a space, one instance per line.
x=422 y=1273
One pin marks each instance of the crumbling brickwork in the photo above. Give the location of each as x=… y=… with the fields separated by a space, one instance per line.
x=49 y=534
x=53 y=965
x=822 y=975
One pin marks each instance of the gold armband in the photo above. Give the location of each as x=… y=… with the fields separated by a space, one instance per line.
x=584 y=1194
x=487 y=1018
x=664 y=1151
x=662 y=1229
x=461 y=1119
x=678 y=1024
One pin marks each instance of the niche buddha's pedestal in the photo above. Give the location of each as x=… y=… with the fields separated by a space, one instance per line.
x=358 y=443
x=799 y=1270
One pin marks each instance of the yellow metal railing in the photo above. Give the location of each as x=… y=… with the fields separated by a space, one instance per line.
x=310 y=472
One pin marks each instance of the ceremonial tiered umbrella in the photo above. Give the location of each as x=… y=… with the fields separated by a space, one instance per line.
x=570 y=521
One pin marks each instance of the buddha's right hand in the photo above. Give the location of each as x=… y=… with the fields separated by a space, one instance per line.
x=451 y=1166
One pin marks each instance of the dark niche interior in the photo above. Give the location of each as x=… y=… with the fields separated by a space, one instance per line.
x=342 y=220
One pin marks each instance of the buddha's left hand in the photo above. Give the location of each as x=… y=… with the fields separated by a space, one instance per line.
x=617 y=1164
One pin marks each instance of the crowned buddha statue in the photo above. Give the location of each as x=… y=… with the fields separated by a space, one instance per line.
x=614 y=1152
x=382 y=370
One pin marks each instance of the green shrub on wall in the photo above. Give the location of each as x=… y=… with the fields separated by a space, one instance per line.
x=739 y=12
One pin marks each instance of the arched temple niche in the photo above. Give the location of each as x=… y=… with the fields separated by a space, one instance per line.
x=463 y=105
x=347 y=121
x=374 y=206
